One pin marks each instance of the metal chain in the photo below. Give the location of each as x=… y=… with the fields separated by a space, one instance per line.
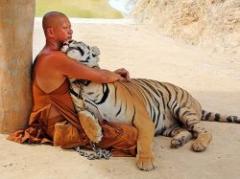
x=97 y=153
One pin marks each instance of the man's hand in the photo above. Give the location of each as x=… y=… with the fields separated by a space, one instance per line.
x=111 y=76
x=124 y=73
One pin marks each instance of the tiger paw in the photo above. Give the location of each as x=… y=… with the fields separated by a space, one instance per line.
x=145 y=163
x=90 y=126
x=175 y=143
x=201 y=143
x=180 y=139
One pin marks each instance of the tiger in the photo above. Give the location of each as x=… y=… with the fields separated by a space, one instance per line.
x=153 y=107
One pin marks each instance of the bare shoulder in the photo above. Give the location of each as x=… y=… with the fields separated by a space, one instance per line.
x=51 y=58
x=54 y=55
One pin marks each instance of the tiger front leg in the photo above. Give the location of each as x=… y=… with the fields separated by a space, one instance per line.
x=145 y=158
x=90 y=126
x=87 y=120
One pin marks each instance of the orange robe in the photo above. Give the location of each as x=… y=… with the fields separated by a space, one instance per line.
x=65 y=129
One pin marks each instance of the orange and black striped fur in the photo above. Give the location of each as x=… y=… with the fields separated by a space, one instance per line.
x=153 y=107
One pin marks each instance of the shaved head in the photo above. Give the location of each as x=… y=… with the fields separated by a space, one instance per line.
x=52 y=19
x=56 y=27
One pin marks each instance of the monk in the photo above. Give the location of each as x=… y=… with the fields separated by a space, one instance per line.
x=53 y=118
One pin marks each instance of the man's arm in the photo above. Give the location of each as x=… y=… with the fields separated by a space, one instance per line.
x=70 y=68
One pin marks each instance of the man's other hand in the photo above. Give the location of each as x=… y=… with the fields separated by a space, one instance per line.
x=124 y=73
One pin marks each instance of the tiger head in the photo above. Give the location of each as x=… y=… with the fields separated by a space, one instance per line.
x=82 y=53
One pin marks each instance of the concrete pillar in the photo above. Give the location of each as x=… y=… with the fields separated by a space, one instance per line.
x=16 y=30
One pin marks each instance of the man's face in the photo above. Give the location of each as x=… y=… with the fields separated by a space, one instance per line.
x=63 y=31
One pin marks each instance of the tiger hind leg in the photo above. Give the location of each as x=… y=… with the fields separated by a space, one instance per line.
x=203 y=137
x=180 y=136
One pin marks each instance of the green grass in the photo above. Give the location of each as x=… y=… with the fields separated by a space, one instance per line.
x=78 y=8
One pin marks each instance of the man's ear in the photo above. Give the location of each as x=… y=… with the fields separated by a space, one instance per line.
x=50 y=32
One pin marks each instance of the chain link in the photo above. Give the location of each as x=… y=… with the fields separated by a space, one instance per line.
x=96 y=154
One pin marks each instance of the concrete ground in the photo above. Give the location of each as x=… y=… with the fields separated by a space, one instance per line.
x=214 y=79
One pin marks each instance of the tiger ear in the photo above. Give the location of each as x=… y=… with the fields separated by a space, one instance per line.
x=95 y=50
